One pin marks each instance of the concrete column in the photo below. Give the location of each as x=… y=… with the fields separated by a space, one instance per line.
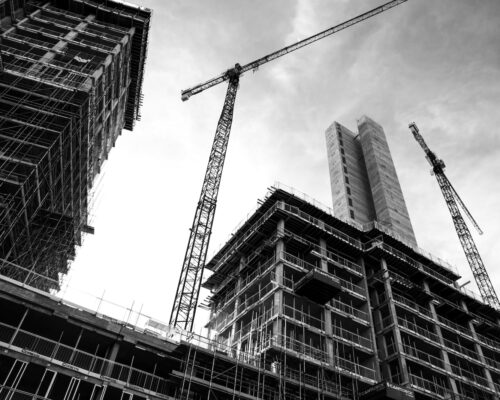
x=111 y=357
x=237 y=301
x=367 y=308
x=327 y=314
x=278 y=295
x=397 y=333
x=280 y=245
x=444 y=353
x=479 y=351
x=278 y=308
x=322 y=247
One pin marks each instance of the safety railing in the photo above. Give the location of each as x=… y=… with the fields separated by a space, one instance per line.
x=412 y=306
x=308 y=266
x=321 y=225
x=230 y=295
x=377 y=242
x=352 y=337
x=318 y=382
x=319 y=355
x=255 y=325
x=8 y=392
x=337 y=260
x=27 y=341
x=423 y=356
x=243 y=238
x=461 y=350
x=488 y=341
x=421 y=383
x=303 y=317
x=469 y=375
x=350 y=310
x=456 y=327
x=417 y=329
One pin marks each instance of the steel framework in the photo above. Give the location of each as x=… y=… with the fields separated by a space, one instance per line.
x=188 y=290
x=454 y=203
x=186 y=297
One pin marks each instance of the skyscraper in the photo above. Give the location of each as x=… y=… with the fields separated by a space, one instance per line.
x=364 y=183
x=70 y=80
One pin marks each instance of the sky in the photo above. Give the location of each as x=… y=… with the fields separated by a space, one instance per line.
x=433 y=62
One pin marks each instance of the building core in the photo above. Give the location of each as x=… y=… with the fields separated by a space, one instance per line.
x=364 y=183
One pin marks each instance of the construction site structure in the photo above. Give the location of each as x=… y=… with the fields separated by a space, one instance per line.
x=364 y=182
x=303 y=306
x=70 y=81
x=188 y=289
x=325 y=298
x=455 y=203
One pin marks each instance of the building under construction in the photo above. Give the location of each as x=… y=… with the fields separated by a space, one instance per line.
x=303 y=306
x=71 y=75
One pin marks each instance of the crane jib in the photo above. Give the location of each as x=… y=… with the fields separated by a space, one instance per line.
x=188 y=288
x=186 y=94
x=454 y=204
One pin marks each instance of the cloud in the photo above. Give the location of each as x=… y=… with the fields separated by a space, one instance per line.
x=433 y=62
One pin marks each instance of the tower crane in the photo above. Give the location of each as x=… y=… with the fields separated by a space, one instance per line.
x=455 y=203
x=188 y=289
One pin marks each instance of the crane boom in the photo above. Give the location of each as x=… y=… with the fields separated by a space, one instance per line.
x=186 y=94
x=454 y=203
x=188 y=288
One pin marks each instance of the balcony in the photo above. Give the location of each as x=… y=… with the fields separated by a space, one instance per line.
x=339 y=261
x=355 y=289
x=318 y=286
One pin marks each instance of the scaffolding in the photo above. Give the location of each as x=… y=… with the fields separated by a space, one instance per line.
x=64 y=94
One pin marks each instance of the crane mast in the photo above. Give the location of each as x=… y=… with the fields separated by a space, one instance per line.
x=188 y=288
x=455 y=203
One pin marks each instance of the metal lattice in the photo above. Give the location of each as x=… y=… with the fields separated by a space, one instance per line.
x=188 y=289
x=453 y=202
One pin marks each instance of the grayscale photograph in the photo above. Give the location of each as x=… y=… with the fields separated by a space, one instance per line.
x=249 y=200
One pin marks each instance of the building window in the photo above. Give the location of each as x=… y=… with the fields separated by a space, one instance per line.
x=345 y=169
x=349 y=200
x=343 y=159
x=342 y=151
x=346 y=179
x=341 y=142
x=348 y=189
x=352 y=213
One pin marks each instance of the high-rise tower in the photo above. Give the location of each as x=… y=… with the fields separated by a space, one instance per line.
x=364 y=182
x=70 y=81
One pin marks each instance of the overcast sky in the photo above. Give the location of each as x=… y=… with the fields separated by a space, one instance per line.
x=433 y=62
